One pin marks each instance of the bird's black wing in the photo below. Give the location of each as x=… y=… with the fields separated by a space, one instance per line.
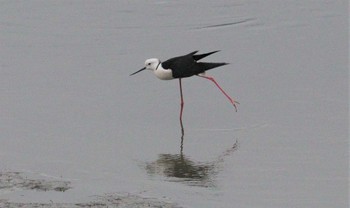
x=179 y=61
x=187 y=65
x=181 y=65
x=200 y=56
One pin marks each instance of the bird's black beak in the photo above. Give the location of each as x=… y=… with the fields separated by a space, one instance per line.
x=138 y=71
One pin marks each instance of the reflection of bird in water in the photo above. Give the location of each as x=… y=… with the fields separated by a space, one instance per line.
x=179 y=168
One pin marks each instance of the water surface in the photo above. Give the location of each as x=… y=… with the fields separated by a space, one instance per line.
x=71 y=113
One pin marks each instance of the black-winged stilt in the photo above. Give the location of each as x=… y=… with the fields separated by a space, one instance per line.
x=182 y=67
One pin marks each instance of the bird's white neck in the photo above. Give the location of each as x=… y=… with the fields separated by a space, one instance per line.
x=163 y=74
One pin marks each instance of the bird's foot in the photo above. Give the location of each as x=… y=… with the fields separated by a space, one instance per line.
x=234 y=103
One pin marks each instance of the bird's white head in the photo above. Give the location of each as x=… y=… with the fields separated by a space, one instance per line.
x=155 y=66
x=152 y=64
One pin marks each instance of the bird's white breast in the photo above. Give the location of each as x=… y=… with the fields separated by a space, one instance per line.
x=163 y=74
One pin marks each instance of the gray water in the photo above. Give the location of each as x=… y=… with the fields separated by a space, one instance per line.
x=70 y=111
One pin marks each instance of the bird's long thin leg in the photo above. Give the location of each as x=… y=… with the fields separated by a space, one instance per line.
x=182 y=100
x=228 y=97
x=182 y=106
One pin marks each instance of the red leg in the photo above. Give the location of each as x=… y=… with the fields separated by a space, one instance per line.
x=182 y=102
x=228 y=97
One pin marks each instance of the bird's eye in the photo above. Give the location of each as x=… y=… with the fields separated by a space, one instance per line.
x=149 y=64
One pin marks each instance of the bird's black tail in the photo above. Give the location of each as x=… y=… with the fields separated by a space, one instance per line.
x=200 y=56
x=203 y=66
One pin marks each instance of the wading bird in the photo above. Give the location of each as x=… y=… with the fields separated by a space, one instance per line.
x=182 y=67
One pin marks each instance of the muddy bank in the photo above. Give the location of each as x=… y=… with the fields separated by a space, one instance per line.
x=14 y=181
x=11 y=181
x=108 y=200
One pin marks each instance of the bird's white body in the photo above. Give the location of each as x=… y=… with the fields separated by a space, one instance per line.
x=155 y=66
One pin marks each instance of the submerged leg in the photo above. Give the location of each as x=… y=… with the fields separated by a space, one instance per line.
x=228 y=97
